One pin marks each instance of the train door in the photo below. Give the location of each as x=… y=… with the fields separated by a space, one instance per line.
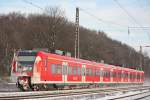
x=65 y=70
x=44 y=68
x=96 y=74
x=111 y=75
x=101 y=74
x=83 y=73
x=129 y=80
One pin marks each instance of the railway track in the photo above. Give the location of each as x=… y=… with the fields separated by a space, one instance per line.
x=68 y=94
x=135 y=96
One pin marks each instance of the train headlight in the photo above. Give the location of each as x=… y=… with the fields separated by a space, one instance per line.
x=25 y=69
x=29 y=68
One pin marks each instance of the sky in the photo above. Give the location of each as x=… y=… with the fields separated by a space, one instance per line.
x=118 y=21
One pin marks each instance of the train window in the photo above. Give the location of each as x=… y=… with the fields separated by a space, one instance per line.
x=56 y=69
x=125 y=75
x=97 y=72
x=69 y=70
x=53 y=69
x=114 y=74
x=106 y=74
x=75 y=70
x=131 y=76
x=103 y=74
x=134 y=76
x=138 y=76
x=79 y=71
x=94 y=72
x=119 y=75
x=122 y=75
x=88 y=71
x=142 y=76
x=59 y=69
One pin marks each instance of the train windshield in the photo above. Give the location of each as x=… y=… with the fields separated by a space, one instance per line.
x=25 y=60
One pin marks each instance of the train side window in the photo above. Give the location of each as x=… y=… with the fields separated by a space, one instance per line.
x=131 y=76
x=88 y=71
x=53 y=69
x=114 y=74
x=75 y=70
x=104 y=74
x=69 y=70
x=97 y=73
x=126 y=75
x=94 y=72
x=119 y=75
x=59 y=69
x=79 y=71
x=108 y=74
x=138 y=77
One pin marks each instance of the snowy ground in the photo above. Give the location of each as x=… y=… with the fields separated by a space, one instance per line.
x=7 y=87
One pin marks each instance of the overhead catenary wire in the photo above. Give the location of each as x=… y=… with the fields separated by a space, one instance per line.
x=81 y=9
x=31 y=3
x=135 y=21
x=102 y=20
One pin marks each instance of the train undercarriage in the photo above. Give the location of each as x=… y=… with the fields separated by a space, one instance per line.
x=24 y=84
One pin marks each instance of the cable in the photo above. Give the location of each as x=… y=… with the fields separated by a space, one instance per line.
x=126 y=11
x=33 y=4
x=100 y=19
x=130 y=16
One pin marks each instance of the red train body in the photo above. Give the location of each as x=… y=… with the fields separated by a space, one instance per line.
x=42 y=70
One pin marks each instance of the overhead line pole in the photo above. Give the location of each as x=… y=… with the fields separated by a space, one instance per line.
x=141 y=57
x=77 y=49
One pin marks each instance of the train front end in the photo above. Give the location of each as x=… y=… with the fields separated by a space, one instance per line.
x=22 y=67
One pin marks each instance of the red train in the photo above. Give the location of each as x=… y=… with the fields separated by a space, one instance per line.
x=42 y=71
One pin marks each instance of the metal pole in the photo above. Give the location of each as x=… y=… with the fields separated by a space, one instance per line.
x=141 y=57
x=77 y=34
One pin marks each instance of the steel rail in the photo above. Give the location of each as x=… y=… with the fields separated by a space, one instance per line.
x=71 y=93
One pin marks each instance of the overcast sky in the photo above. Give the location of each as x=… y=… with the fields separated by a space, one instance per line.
x=107 y=10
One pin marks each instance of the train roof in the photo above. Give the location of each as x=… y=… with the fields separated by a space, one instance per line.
x=88 y=62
